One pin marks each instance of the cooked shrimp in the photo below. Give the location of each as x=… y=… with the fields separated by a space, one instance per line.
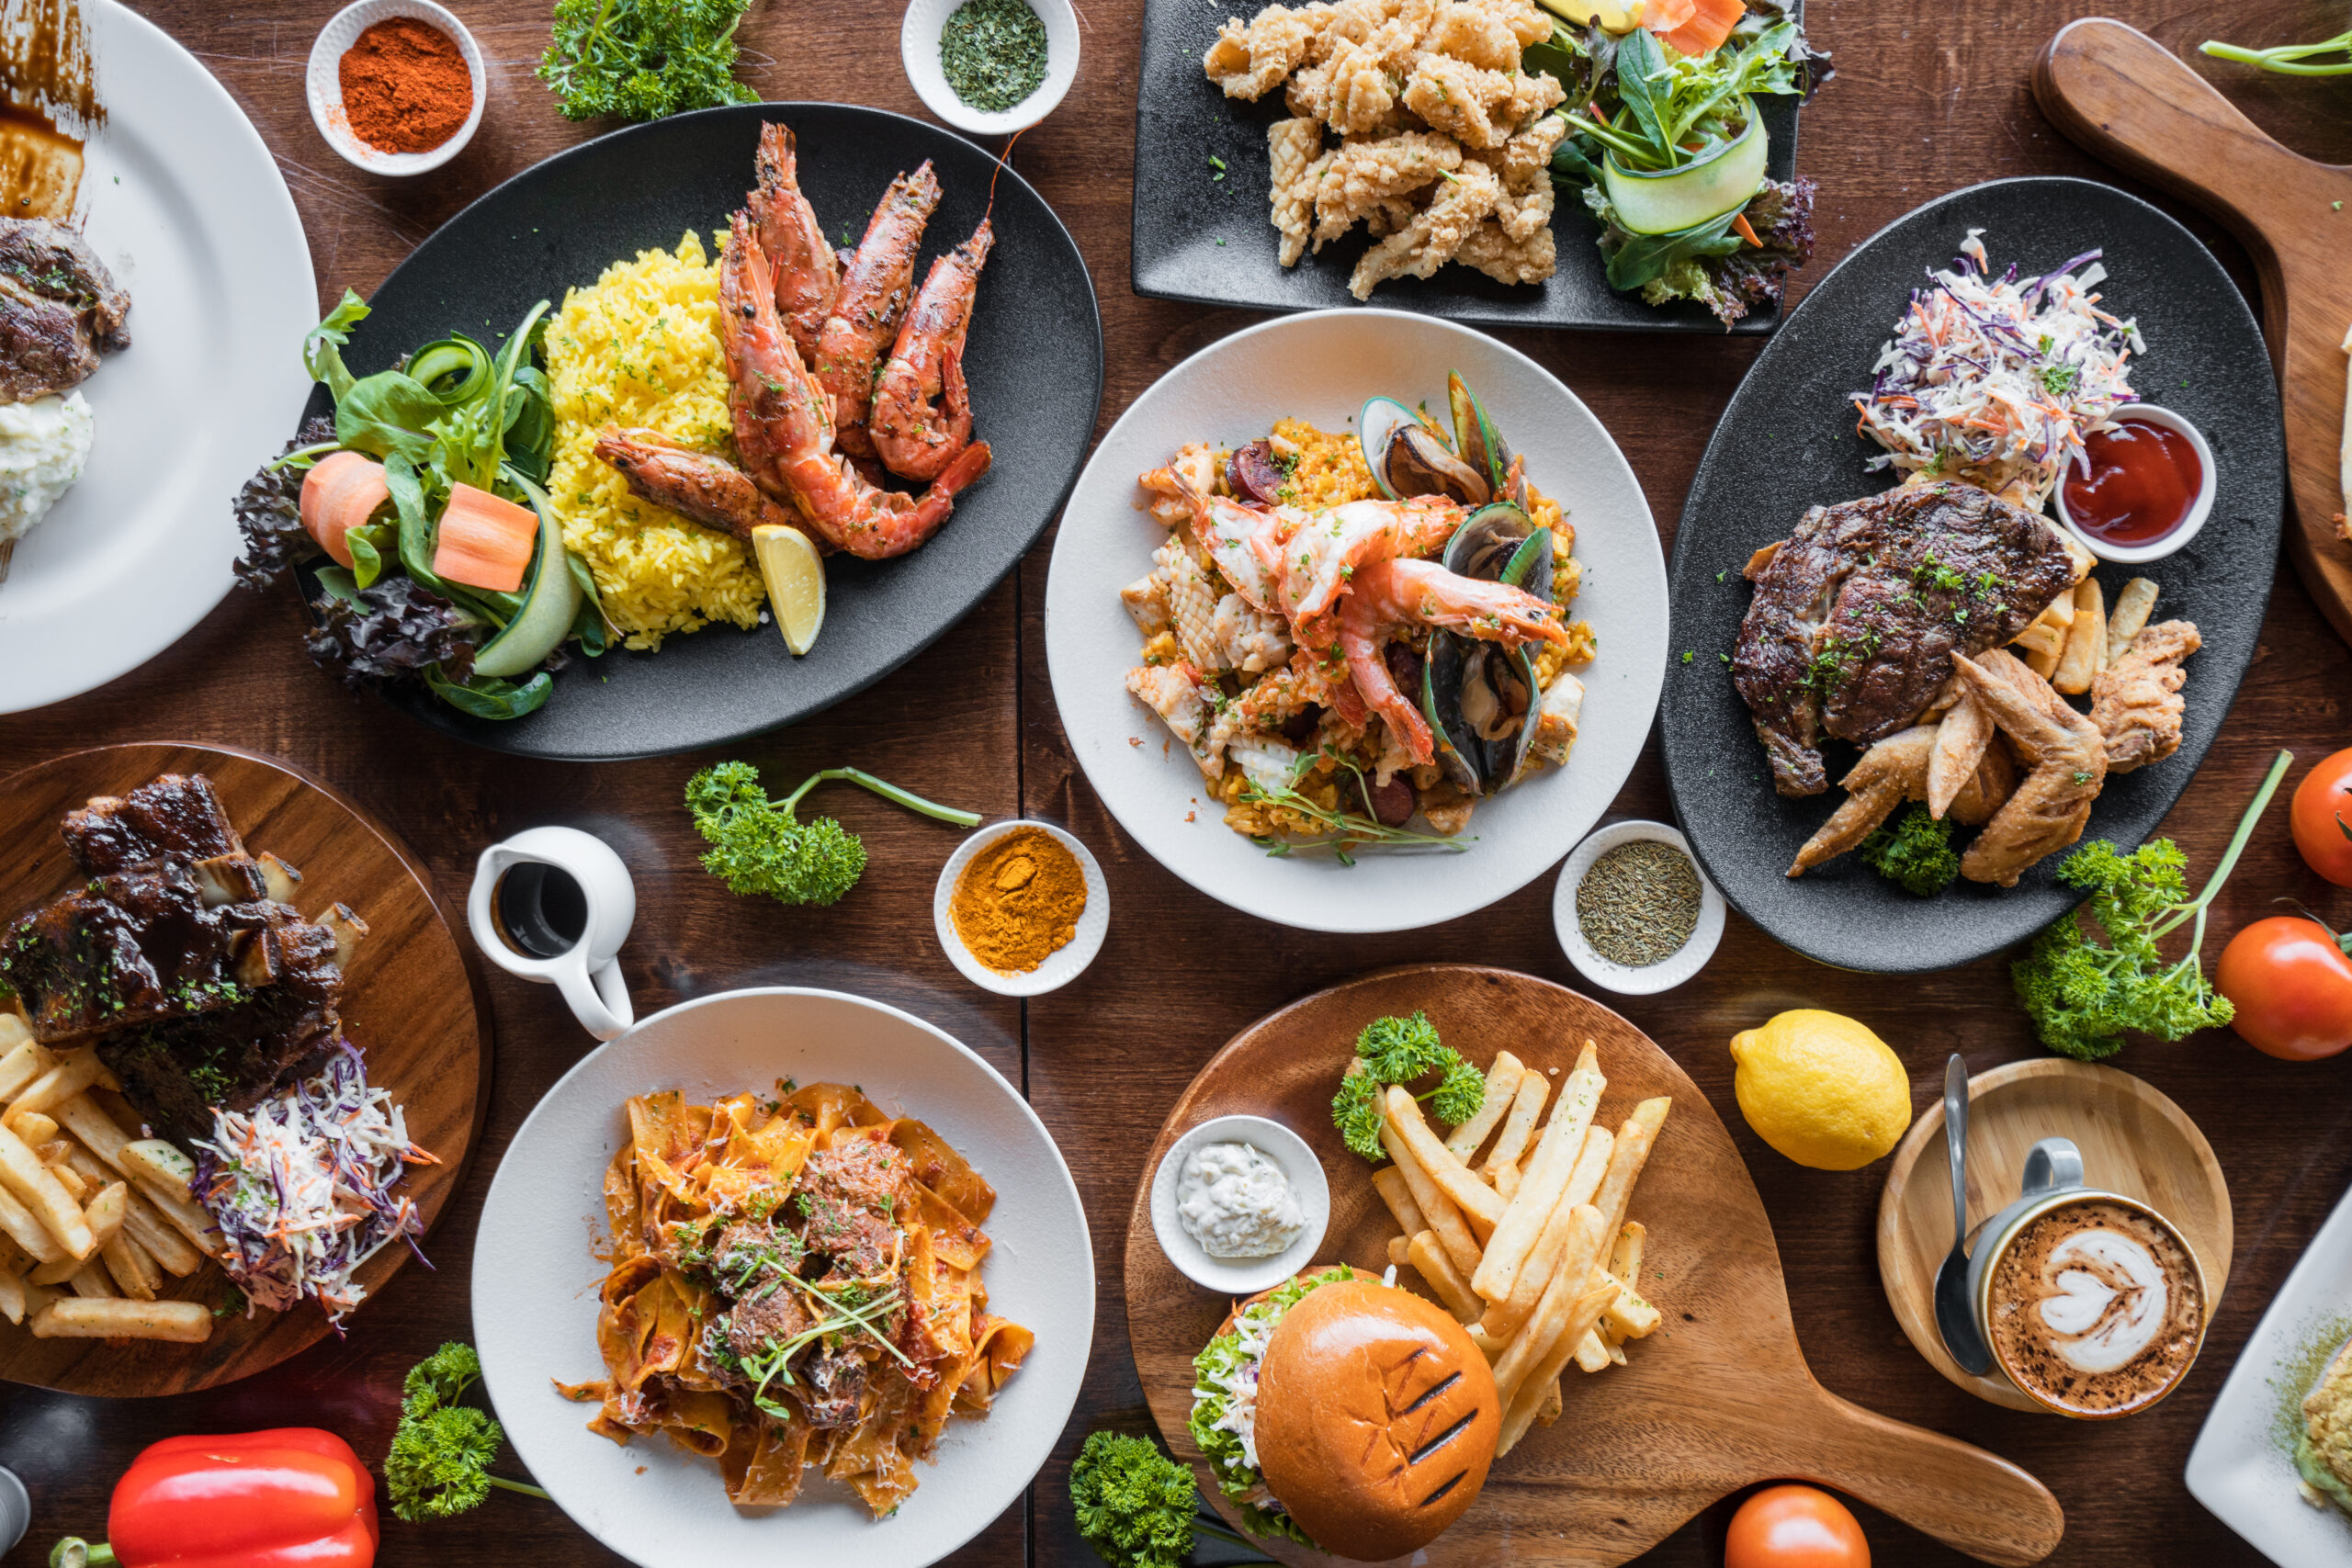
x=808 y=273
x=1331 y=548
x=695 y=485
x=1390 y=596
x=783 y=425
x=873 y=296
x=916 y=440
x=1229 y=531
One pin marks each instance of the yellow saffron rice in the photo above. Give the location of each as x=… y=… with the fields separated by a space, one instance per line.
x=639 y=346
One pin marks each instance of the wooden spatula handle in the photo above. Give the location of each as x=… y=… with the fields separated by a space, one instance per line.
x=2119 y=94
x=1969 y=1500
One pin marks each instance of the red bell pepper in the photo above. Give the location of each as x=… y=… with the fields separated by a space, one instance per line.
x=292 y=1496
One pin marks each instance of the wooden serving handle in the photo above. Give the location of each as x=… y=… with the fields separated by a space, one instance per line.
x=2119 y=94
x=1973 y=1501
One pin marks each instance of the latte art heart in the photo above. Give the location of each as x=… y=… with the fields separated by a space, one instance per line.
x=2095 y=1307
x=2108 y=1303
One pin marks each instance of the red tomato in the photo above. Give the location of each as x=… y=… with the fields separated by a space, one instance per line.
x=1794 y=1527
x=2292 y=988
x=2324 y=819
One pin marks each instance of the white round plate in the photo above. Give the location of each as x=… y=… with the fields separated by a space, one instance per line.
x=1062 y=965
x=1308 y=1184
x=186 y=206
x=534 y=1287
x=1321 y=366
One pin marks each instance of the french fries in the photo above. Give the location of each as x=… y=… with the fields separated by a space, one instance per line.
x=12 y=1297
x=25 y=1059
x=1534 y=1255
x=1525 y=1107
x=1540 y=1184
x=1446 y=1220
x=75 y=1071
x=189 y=1322
x=2086 y=651
x=154 y=1162
x=1502 y=1084
x=2134 y=605
x=1425 y=1255
x=23 y=1174
x=1389 y=1182
x=1456 y=1180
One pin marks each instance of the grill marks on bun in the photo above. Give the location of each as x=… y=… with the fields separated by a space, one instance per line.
x=1377 y=1419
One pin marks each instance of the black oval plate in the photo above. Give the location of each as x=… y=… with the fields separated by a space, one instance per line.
x=1033 y=359
x=1204 y=191
x=1787 y=442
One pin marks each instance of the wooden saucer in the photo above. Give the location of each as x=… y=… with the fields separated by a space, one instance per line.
x=1718 y=1399
x=410 y=1003
x=2134 y=1141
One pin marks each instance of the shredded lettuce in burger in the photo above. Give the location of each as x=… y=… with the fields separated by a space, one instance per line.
x=1225 y=1406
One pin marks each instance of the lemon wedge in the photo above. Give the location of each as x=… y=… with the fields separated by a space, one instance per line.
x=795 y=574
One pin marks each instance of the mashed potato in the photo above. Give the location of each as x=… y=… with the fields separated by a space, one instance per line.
x=639 y=346
x=43 y=445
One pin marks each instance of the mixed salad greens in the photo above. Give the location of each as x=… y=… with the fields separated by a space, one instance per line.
x=1668 y=150
x=446 y=564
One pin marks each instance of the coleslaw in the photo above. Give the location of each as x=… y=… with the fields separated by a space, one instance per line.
x=301 y=1187
x=1998 y=380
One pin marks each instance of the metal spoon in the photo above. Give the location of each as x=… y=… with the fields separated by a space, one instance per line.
x=1955 y=1319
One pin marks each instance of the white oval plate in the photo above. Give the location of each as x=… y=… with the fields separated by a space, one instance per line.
x=1321 y=366
x=186 y=206
x=535 y=1282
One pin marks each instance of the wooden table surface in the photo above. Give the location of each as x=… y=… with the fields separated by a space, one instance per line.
x=1926 y=99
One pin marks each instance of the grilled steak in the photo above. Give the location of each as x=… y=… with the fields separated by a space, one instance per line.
x=172 y=814
x=1857 y=615
x=60 y=308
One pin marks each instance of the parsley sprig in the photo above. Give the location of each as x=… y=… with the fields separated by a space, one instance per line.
x=2083 y=995
x=1399 y=1051
x=643 y=59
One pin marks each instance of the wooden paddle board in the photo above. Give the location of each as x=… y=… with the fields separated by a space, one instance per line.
x=410 y=1003
x=1718 y=1398
x=2122 y=95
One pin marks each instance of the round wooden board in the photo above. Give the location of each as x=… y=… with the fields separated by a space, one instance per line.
x=2134 y=1141
x=1718 y=1398
x=412 y=1003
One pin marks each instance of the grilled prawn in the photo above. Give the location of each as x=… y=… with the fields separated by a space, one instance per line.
x=695 y=485
x=784 y=431
x=915 y=439
x=872 y=298
x=808 y=273
x=1391 y=596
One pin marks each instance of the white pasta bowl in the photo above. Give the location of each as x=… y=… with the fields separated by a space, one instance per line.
x=322 y=84
x=1320 y=366
x=536 y=1282
x=919 y=41
x=1308 y=1184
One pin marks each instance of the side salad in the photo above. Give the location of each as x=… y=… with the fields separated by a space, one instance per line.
x=445 y=563
x=1667 y=148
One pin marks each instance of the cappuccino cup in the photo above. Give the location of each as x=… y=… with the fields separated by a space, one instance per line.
x=2093 y=1303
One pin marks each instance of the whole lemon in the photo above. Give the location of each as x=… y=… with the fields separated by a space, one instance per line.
x=1821 y=1088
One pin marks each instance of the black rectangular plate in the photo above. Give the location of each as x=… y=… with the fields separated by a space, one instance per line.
x=1210 y=241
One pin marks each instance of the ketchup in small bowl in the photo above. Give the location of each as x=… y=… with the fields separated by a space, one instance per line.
x=2144 y=480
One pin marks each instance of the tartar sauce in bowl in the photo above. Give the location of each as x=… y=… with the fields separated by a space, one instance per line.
x=1237 y=1204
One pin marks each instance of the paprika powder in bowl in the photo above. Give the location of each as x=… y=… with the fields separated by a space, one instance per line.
x=1022 y=907
x=396 y=85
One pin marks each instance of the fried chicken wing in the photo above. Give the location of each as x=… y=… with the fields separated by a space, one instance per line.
x=2068 y=761
x=1892 y=771
x=1961 y=737
x=2136 y=702
x=1987 y=790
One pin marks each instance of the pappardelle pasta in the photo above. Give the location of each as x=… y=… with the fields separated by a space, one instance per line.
x=796 y=1281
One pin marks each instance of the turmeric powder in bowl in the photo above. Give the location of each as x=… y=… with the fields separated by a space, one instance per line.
x=1018 y=901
